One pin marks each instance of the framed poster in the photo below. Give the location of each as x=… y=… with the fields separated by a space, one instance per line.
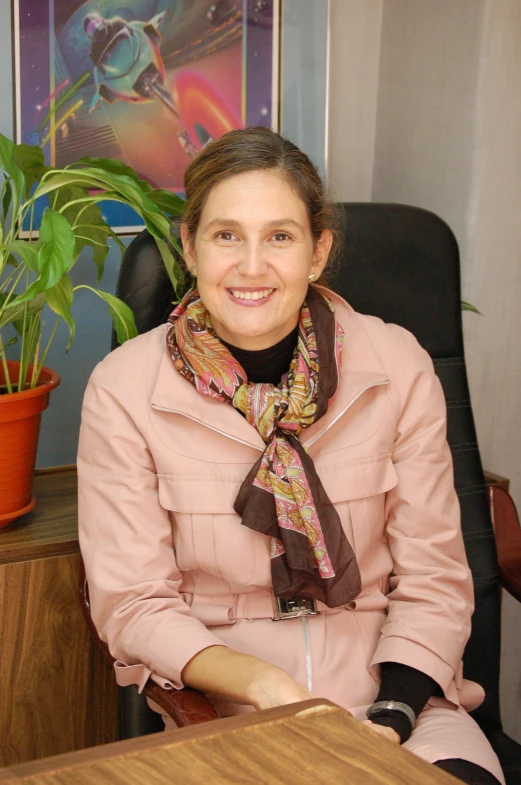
x=148 y=82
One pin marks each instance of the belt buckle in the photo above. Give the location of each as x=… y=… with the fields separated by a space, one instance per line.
x=296 y=606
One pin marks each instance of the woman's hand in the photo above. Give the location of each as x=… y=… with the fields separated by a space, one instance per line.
x=271 y=686
x=384 y=730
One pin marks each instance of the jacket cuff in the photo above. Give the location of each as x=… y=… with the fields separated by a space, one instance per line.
x=407 y=652
x=166 y=666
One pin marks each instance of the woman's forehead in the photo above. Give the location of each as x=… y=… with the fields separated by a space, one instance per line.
x=236 y=196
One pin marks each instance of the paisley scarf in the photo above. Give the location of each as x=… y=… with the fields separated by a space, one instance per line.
x=282 y=495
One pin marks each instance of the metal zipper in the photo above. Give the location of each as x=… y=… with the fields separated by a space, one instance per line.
x=307 y=649
x=351 y=402
x=216 y=430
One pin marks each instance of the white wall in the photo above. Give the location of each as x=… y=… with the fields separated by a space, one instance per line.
x=443 y=112
x=355 y=34
x=492 y=280
x=426 y=106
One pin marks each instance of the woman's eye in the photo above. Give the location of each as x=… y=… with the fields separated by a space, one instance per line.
x=226 y=236
x=281 y=237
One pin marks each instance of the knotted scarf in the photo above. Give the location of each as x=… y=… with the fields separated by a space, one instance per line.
x=282 y=495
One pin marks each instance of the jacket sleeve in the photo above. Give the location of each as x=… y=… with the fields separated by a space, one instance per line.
x=127 y=543
x=430 y=587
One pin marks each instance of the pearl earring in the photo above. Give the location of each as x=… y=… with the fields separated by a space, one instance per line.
x=193 y=271
x=311 y=277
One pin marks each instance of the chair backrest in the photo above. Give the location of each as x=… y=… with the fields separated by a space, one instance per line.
x=402 y=264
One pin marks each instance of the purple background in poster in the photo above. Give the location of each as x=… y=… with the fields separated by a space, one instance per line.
x=259 y=58
x=33 y=72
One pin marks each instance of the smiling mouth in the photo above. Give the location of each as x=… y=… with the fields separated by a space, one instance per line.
x=250 y=295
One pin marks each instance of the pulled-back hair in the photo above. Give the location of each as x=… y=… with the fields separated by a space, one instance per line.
x=256 y=149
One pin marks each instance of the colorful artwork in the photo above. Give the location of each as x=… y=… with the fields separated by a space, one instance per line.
x=148 y=82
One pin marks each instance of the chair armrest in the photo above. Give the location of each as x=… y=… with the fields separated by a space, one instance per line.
x=508 y=538
x=185 y=707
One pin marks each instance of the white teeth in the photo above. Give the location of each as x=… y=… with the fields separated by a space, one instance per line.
x=251 y=295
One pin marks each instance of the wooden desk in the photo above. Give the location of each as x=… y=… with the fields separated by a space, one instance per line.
x=302 y=744
x=57 y=692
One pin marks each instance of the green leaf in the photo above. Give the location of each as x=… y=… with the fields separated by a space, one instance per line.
x=469 y=307
x=11 y=169
x=114 y=187
x=122 y=316
x=113 y=166
x=99 y=255
x=117 y=240
x=14 y=314
x=6 y=199
x=168 y=202
x=130 y=191
x=30 y=159
x=97 y=237
x=87 y=221
x=55 y=256
x=12 y=341
x=80 y=211
x=173 y=268
x=60 y=298
x=60 y=179
x=120 y=188
x=28 y=252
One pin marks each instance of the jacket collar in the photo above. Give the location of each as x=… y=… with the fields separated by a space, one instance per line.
x=361 y=370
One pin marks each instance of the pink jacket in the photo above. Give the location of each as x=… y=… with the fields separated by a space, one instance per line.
x=172 y=571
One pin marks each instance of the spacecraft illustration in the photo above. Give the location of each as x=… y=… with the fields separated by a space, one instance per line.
x=127 y=60
x=127 y=66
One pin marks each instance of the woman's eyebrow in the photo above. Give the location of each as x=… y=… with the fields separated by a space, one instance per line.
x=232 y=224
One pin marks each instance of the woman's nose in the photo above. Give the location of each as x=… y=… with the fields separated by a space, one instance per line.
x=252 y=262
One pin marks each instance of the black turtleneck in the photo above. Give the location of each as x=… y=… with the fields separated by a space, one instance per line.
x=399 y=682
x=266 y=365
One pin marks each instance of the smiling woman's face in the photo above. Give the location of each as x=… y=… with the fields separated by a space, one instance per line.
x=253 y=253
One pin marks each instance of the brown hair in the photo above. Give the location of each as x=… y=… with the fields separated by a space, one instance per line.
x=254 y=149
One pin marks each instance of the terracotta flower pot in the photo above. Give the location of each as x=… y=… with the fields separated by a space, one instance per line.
x=20 y=415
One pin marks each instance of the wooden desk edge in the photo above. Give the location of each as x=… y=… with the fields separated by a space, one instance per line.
x=133 y=747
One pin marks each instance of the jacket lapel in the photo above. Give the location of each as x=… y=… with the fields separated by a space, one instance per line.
x=174 y=393
x=361 y=369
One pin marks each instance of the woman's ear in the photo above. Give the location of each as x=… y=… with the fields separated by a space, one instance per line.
x=321 y=251
x=188 y=250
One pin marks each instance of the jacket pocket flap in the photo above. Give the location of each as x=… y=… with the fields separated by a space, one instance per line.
x=198 y=495
x=344 y=480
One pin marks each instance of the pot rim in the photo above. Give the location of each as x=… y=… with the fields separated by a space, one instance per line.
x=49 y=379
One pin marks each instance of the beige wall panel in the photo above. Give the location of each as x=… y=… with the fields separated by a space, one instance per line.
x=354 y=64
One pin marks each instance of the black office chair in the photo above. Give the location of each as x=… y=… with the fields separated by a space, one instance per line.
x=402 y=264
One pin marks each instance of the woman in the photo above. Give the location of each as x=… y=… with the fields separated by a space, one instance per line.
x=267 y=509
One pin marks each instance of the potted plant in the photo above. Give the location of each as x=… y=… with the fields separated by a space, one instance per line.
x=35 y=284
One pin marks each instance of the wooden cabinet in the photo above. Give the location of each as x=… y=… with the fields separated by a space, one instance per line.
x=57 y=692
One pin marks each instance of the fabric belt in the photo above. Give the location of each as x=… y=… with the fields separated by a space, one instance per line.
x=214 y=609
x=264 y=605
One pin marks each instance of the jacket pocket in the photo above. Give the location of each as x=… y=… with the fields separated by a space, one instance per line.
x=357 y=489
x=208 y=534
